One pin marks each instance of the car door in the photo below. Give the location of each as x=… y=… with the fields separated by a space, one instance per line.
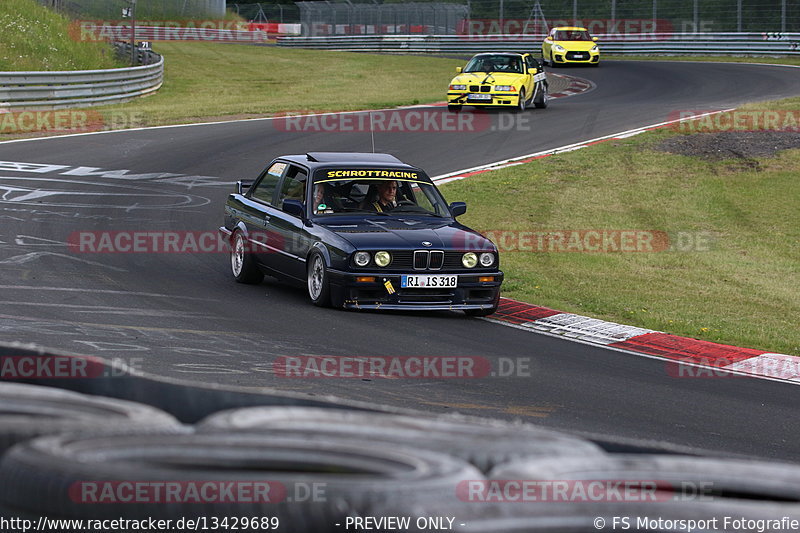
x=290 y=230
x=528 y=64
x=256 y=211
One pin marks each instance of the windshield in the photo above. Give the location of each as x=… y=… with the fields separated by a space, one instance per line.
x=495 y=63
x=573 y=35
x=375 y=191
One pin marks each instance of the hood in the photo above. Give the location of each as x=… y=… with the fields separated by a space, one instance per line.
x=409 y=233
x=577 y=46
x=496 y=78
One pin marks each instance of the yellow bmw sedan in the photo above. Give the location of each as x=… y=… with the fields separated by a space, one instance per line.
x=499 y=79
x=570 y=45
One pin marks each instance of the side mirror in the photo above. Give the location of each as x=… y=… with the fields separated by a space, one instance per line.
x=594 y=39
x=458 y=208
x=243 y=185
x=294 y=208
x=459 y=70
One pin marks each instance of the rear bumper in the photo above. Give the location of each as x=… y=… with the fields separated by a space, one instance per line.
x=469 y=294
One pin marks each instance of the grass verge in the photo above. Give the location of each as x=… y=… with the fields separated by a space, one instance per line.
x=741 y=286
x=212 y=80
x=37 y=38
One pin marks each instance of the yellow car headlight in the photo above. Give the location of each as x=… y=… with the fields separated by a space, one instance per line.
x=383 y=258
x=505 y=88
x=458 y=87
x=469 y=260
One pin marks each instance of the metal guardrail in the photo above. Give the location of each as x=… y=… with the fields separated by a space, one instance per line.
x=643 y=43
x=82 y=88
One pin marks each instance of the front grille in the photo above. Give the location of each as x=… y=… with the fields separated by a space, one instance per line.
x=474 y=88
x=573 y=56
x=486 y=88
x=407 y=261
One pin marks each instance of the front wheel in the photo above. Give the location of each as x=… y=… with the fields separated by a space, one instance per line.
x=243 y=266
x=540 y=101
x=319 y=290
x=522 y=103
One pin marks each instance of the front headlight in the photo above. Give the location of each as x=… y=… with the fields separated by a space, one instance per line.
x=487 y=259
x=458 y=87
x=361 y=259
x=469 y=260
x=559 y=48
x=505 y=88
x=382 y=258
x=594 y=49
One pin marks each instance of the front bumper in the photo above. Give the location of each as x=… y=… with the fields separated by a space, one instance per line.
x=498 y=99
x=569 y=57
x=469 y=294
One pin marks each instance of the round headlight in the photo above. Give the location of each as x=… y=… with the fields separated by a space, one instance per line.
x=383 y=259
x=487 y=259
x=362 y=259
x=469 y=260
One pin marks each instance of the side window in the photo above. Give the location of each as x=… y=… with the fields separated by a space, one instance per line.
x=265 y=189
x=294 y=185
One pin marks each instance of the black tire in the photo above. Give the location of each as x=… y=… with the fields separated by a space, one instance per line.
x=552 y=60
x=540 y=100
x=317 y=282
x=47 y=475
x=453 y=108
x=483 y=444
x=523 y=103
x=30 y=411
x=733 y=478
x=243 y=266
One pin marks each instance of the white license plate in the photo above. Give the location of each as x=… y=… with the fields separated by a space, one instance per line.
x=428 y=282
x=479 y=97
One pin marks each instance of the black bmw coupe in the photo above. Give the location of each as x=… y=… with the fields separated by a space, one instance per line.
x=360 y=231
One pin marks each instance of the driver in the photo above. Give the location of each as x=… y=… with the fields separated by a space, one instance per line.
x=387 y=196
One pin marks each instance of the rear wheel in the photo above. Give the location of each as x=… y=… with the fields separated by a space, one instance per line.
x=243 y=266
x=319 y=290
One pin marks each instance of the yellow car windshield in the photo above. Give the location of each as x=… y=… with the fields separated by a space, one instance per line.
x=572 y=35
x=495 y=63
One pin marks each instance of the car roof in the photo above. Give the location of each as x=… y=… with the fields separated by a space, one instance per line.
x=499 y=54
x=351 y=159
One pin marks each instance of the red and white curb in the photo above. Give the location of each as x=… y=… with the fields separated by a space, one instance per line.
x=720 y=359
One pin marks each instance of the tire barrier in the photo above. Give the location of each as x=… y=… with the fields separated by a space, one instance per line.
x=113 y=476
x=675 y=476
x=484 y=445
x=28 y=411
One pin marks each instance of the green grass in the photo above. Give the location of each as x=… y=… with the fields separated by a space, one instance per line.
x=213 y=80
x=36 y=38
x=743 y=290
